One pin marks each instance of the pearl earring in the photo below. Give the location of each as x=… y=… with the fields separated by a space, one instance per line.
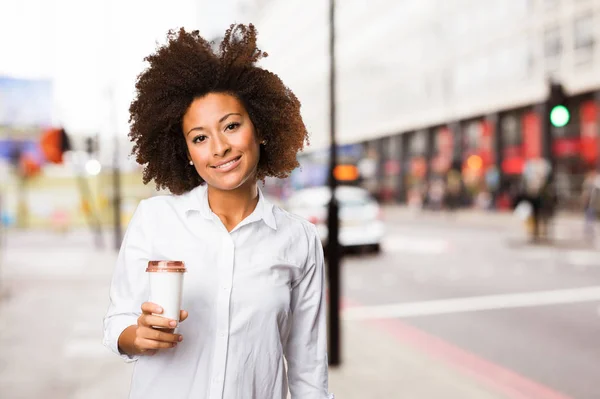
x=191 y=162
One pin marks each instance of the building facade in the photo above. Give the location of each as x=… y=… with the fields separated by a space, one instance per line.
x=427 y=85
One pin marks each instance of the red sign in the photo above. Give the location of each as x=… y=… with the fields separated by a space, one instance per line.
x=486 y=148
x=589 y=132
x=532 y=136
x=441 y=162
x=513 y=165
x=566 y=147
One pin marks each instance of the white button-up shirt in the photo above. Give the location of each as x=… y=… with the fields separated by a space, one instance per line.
x=255 y=297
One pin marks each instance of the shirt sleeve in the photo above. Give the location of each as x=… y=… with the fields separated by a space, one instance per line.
x=129 y=287
x=306 y=346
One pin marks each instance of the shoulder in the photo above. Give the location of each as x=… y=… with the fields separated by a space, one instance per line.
x=167 y=201
x=159 y=202
x=158 y=210
x=302 y=235
x=294 y=222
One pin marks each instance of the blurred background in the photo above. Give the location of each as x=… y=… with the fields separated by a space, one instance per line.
x=468 y=159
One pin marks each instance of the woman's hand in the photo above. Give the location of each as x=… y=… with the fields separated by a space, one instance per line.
x=149 y=339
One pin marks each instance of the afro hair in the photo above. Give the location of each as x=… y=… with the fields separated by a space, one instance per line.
x=186 y=68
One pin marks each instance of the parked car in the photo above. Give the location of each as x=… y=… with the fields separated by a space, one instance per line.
x=361 y=223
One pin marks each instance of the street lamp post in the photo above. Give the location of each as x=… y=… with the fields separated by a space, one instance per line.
x=333 y=246
x=116 y=175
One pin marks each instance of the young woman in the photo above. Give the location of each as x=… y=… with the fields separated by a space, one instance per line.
x=209 y=125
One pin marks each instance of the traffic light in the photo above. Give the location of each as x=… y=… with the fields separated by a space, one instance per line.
x=559 y=116
x=559 y=113
x=54 y=143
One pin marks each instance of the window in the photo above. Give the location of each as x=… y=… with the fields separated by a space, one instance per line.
x=510 y=130
x=584 y=32
x=418 y=143
x=473 y=134
x=552 y=42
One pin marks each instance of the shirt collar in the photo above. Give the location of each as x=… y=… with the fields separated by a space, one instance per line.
x=197 y=200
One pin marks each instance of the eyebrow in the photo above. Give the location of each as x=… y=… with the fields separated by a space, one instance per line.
x=220 y=121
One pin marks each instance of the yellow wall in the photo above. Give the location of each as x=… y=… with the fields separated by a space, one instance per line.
x=51 y=201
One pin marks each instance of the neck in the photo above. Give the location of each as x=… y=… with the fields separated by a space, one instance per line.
x=233 y=206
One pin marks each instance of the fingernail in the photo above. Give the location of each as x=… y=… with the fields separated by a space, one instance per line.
x=180 y=338
x=173 y=323
x=174 y=343
x=159 y=310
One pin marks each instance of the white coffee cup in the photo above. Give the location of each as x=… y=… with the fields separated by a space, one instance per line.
x=166 y=286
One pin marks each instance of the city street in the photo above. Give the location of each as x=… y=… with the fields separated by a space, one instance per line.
x=531 y=310
x=449 y=309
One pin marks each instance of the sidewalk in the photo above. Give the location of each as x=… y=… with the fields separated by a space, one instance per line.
x=567 y=227
x=51 y=316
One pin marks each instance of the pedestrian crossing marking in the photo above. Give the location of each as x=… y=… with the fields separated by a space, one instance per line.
x=472 y=304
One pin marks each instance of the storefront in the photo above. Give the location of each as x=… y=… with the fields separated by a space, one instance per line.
x=391 y=149
x=478 y=157
x=417 y=166
x=575 y=150
x=443 y=152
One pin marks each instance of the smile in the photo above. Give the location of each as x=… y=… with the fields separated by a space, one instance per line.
x=227 y=166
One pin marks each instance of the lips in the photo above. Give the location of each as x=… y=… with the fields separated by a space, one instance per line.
x=227 y=165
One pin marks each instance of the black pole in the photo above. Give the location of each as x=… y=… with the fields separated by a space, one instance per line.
x=429 y=154
x=333 y=246
x=116 y=178
x=497 y=152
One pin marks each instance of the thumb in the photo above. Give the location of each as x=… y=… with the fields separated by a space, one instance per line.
x=183 y=315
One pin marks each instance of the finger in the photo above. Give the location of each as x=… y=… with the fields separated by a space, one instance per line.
x=183 y=315
x=158 y=321
x=158 y=335
x=145 y=344
x=149 y=307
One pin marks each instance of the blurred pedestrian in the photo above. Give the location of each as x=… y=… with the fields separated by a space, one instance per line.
x=527 y=204
x=538 y=191
x=548 y=199
x=208 y=126
x=453 y=189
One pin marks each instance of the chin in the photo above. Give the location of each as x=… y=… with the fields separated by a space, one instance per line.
x=229 y=183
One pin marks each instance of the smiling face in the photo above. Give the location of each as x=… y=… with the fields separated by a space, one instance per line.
x=221 y=141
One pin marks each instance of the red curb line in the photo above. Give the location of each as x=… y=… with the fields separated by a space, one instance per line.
x=503 y=380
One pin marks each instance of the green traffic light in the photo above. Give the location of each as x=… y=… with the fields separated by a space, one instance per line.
x=559 y=116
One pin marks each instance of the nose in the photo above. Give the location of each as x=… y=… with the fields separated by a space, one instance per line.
x=220 y=146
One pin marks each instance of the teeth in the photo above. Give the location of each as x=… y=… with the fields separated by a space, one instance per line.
x=227 y=164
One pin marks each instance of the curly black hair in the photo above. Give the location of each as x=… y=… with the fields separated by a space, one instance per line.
x=187 y=68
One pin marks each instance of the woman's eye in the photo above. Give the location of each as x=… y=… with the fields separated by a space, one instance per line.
x=232 y=126
x=199 y=139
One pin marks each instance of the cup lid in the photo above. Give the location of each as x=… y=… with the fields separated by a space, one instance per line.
x=176 y=266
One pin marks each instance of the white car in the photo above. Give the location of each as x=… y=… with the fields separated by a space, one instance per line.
x=361 y=223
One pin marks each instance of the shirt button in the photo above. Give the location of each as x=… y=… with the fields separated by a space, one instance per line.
x=222 y=334
x=225 y=288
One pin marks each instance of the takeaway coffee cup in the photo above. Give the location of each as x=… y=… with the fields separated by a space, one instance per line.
x=166 y=286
